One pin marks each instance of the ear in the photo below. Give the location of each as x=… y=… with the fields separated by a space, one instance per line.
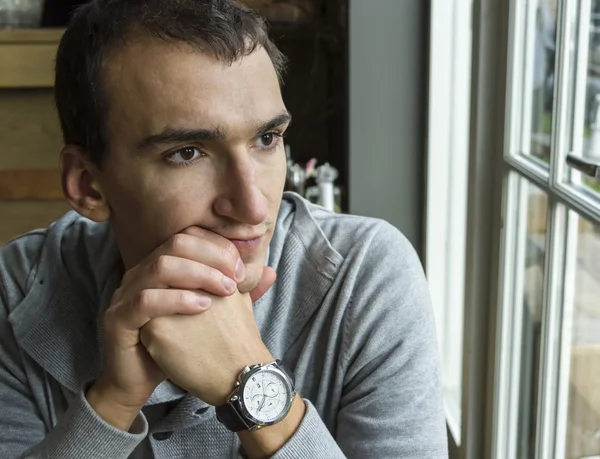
x=79 y=177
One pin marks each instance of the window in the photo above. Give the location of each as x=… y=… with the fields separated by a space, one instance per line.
x=548 y=340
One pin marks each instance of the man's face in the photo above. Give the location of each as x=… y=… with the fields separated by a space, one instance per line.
x=193 y=142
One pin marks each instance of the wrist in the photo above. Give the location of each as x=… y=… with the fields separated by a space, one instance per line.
x=267 y=441
x=112 y=407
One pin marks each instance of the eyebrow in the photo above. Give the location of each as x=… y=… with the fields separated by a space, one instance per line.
x=175 y=135
x=217 y=134
x=279 y=120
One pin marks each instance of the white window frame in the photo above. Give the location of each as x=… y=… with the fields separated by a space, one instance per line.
x=446 y=194
x=469 y=437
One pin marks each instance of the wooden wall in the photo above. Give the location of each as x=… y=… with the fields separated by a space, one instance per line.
x=30 y=193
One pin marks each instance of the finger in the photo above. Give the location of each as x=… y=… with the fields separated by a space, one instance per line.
x=211 y=250
x=152 y=303
x=239 y=272
x=226 y=246
x=169 y=271
x=265 y=283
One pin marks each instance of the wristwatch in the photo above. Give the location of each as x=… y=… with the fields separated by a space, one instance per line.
x=262 y=396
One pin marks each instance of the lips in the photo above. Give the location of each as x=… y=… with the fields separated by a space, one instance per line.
x=248 y=245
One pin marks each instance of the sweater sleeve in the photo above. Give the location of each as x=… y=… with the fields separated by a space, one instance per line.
x=83 y=434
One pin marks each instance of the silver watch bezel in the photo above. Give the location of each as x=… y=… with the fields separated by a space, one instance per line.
x=236 y=397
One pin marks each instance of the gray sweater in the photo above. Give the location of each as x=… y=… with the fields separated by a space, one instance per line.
x=349 y=313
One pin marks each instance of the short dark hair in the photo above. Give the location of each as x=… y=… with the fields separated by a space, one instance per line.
x=224 y=29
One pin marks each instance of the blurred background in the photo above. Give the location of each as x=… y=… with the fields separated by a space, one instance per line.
x=471 y=125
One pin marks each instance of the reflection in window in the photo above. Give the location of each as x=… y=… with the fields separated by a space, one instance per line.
x=583 y=422
x=590 y=16
x=543 y=19
x=530 y=337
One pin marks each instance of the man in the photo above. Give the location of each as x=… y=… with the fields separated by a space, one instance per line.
x=185 y=309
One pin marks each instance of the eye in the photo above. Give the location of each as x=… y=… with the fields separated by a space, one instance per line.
x=184 y=156
x=269 y=140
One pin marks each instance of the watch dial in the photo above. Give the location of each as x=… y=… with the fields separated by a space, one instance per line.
x=266 y=395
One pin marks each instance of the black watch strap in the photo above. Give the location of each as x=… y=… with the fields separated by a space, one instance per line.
x=231 y=418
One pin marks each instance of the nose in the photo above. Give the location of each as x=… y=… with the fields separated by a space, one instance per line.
x=241 y=197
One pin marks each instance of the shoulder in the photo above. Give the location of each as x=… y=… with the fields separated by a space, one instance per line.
x=349 y=233
x=50 y=253
x=355 y=238
x=19 y=259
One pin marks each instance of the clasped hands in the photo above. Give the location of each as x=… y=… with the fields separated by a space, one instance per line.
x=178 y=315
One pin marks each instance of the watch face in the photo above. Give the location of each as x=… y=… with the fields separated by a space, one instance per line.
x=266 y=396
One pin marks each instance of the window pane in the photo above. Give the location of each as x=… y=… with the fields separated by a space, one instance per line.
x=583 y=314
x=540 y=29
x=530 y=310
x=588 y=56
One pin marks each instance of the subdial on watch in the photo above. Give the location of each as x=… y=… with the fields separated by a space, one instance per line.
x=272 y=390
x=258 y=401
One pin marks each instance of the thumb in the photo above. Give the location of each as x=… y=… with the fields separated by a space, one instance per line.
x=265 y=283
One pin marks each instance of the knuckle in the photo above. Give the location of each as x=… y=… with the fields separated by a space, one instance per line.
x=183 y=298
x=148 y=336
x=143 y=298
x=126 y=277
x=116 y=296
x=209 y=274
x=115 y=305
x=157 y=327
x=179 y=243
x=229 y=253
x=129 y=275
x=151 y=327
x=108 y=317
x=111 y=320
x=162 y=265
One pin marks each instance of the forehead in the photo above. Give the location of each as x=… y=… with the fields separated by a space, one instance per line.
x=152 y=84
